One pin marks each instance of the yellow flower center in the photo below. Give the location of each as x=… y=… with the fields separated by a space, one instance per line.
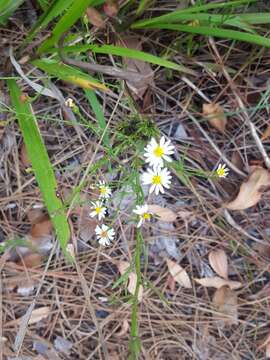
x=103 y=190
x=221 y=172
x=159 y=151
x=146 y=216
x=104 y=234
x=156 y=180
x=98 y=209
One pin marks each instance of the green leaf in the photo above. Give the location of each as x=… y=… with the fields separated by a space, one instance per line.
x=53 y=11
x=126 y=52
x=7 y=7
x=41 y=164
x=174 y=15
x=93 y=100
x=68 y=73
x=216 y=32
x=76 y=10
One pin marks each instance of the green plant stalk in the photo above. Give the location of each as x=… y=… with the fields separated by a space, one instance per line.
x=135 y=343
x=41 y=164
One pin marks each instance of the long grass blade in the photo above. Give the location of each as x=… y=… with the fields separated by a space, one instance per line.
x=173 y=16
x=216 y=32
x=7 y=7
x=41 y=164
x=69 y=74
x=52 y=12
x=76 y=10
x=126 y=52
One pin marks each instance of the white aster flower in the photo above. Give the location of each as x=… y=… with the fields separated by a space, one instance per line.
x=104 y=190
x=104 y=234
x=155 y=153
x=99 y=210
x=158 y=179
x=144 y=214
x=222 y=171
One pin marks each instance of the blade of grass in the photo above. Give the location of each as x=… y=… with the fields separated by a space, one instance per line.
x=242 y=21
x=69 y=74
x=76 y=10
x=93 y=100
x=173 y=16
x=56 y=8
x=216 y=32
x=41 y=164
x=7 y=7
x=125 y=52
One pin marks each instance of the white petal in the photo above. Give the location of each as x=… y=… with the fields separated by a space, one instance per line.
x=162 y=141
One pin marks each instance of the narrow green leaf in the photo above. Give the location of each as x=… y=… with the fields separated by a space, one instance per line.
x=7 y=7
x=76 y=10
x=126 y=52
x=172 y=16
x=56 y=8
x=41 y=164
x=93 y=100
x=216 y=32
x=68 y=73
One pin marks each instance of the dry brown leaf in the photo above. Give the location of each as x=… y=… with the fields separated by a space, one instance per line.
x=266 y=133
x=24 y=157
x=30 y=260
x=219 y=262
x=111 y=8
x=164 y=214
x=41 y=227
x=36 y=316
x=123 y=330
x=146 y=78
x=217 y=282
x=35 y=215
x=179 y=274
x=215 y=115
x=132 y=277
x=225 y=301
x=237 y=160
x=95 y=18
x=250 y=191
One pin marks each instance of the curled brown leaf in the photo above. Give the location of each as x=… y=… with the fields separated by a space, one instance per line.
x=225 y=301
x=215 y=115
x=251 y=191
x=217 y=282
x=179 y=274
x=218 y=261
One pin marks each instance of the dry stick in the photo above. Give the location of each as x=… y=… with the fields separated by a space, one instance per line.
x=242 y=107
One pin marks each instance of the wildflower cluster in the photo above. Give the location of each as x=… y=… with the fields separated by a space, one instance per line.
x=104 y=233
x=157 y=176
